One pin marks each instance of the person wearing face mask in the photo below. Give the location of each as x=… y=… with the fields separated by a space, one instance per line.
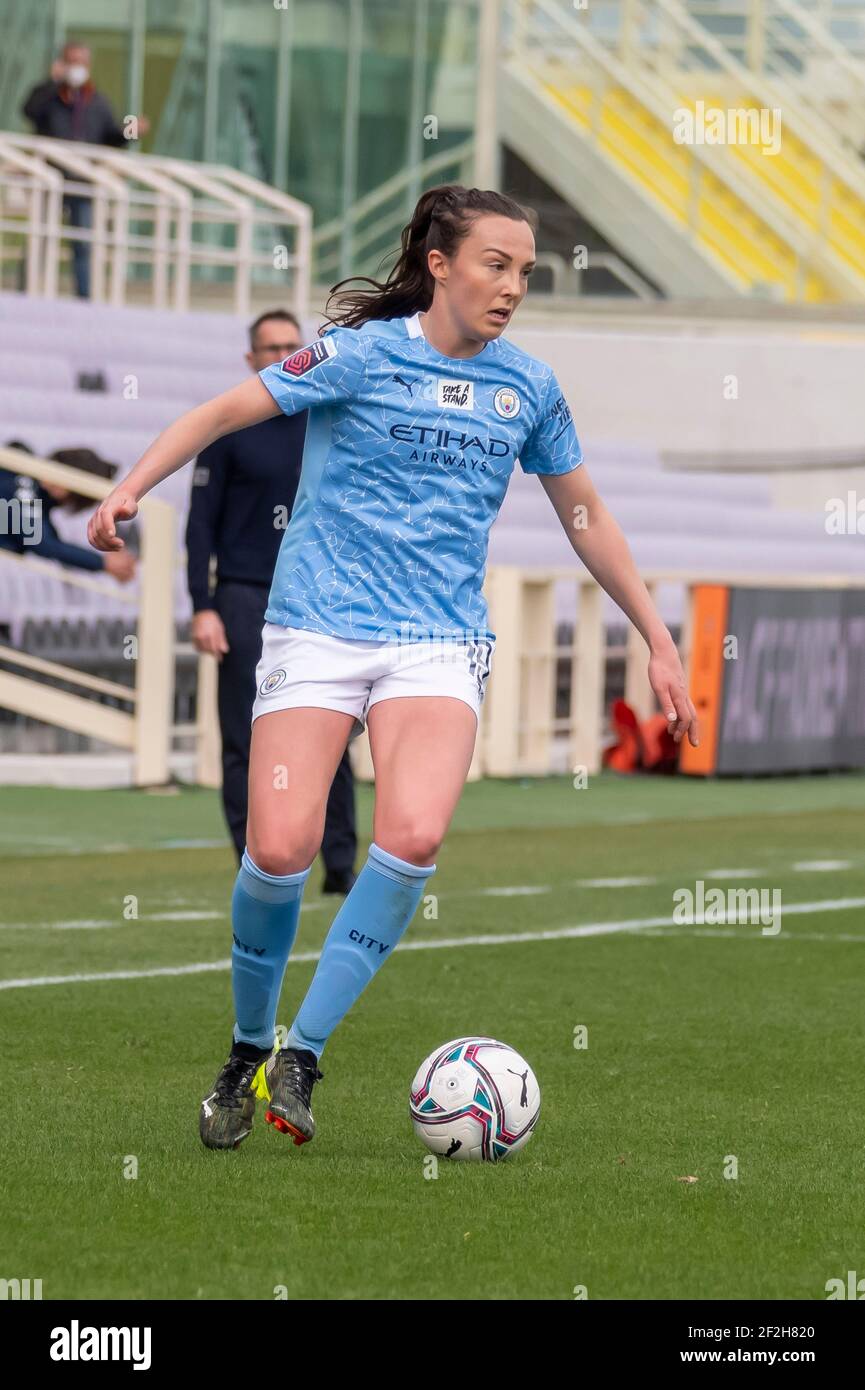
x=69 y=107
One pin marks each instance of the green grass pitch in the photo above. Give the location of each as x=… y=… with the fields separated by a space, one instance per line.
x=705 y=1045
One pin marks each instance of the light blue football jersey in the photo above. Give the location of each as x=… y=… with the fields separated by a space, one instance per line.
x=406 y=462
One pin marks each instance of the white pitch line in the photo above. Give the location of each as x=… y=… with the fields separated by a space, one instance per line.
x=512 y=891
x=518 y=891
x=821 y=866
x=65 y=845
x=508 y=891
x=101 y=923
x=742 y=934
x=191 y=844
x=734 y=873
x=447 y=943
x=317 y=905
x=614 y=882
x=185 y=916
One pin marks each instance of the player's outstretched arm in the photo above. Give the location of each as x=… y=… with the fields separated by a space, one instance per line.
x=247 y=404
x=598 y=540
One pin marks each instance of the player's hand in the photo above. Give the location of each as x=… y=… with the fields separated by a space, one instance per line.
x=667 y=679
x=101 y=529
x=120 y=566
x=208 y=633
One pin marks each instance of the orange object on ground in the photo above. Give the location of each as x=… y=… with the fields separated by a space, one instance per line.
x=643 y=745
x=709 y=627
x=626 y=755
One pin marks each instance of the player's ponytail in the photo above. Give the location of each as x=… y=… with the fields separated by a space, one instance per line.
x=442 y=217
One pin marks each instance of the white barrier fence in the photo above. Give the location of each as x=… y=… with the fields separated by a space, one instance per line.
x=520 y=732
x=181 y=220
x=523 y=729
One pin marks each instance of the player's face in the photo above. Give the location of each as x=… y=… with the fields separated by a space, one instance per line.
x=489 y=275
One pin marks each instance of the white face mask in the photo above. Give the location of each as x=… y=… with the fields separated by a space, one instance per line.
x=77 y=74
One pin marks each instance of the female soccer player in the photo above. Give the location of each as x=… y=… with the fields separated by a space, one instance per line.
x=418 y=411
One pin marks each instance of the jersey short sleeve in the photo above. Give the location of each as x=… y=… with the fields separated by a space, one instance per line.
x=553 y=446
x=325 y=372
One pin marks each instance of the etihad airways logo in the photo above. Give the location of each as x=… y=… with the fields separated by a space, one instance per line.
x=432 y=437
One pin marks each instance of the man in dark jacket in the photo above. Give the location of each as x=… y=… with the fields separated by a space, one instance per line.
x=68 y=107
x=243 y=491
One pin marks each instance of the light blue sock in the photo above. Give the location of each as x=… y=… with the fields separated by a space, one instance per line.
x=264 y=913
x=364 y=933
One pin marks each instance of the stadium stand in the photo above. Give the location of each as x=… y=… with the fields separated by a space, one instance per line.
x=150 y=363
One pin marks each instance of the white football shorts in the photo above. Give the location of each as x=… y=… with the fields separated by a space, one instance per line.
x=302 y=667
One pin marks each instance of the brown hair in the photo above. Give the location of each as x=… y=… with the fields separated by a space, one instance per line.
x=284 y=314
x=442 y=218
x=88 y=462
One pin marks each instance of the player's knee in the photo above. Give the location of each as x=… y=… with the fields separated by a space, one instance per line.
x=417 y=844
x=283 y=856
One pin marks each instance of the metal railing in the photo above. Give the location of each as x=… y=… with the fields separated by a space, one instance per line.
x=521 y=733
x=189 y=224
x=797 y=227
x=617 y=105
x=375 y=221
x=522 y=729
x=814 y=175
x=817 y=46
x=145 y=729
x=526 y=726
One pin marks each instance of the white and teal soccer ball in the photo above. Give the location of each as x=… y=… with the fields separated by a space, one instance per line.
x=475 y=1098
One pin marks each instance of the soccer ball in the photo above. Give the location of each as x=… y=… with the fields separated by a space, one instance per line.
x=474 y=1098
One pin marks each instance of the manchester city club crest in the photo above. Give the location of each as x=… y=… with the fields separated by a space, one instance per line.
x=272 y=682
x=507 y=403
